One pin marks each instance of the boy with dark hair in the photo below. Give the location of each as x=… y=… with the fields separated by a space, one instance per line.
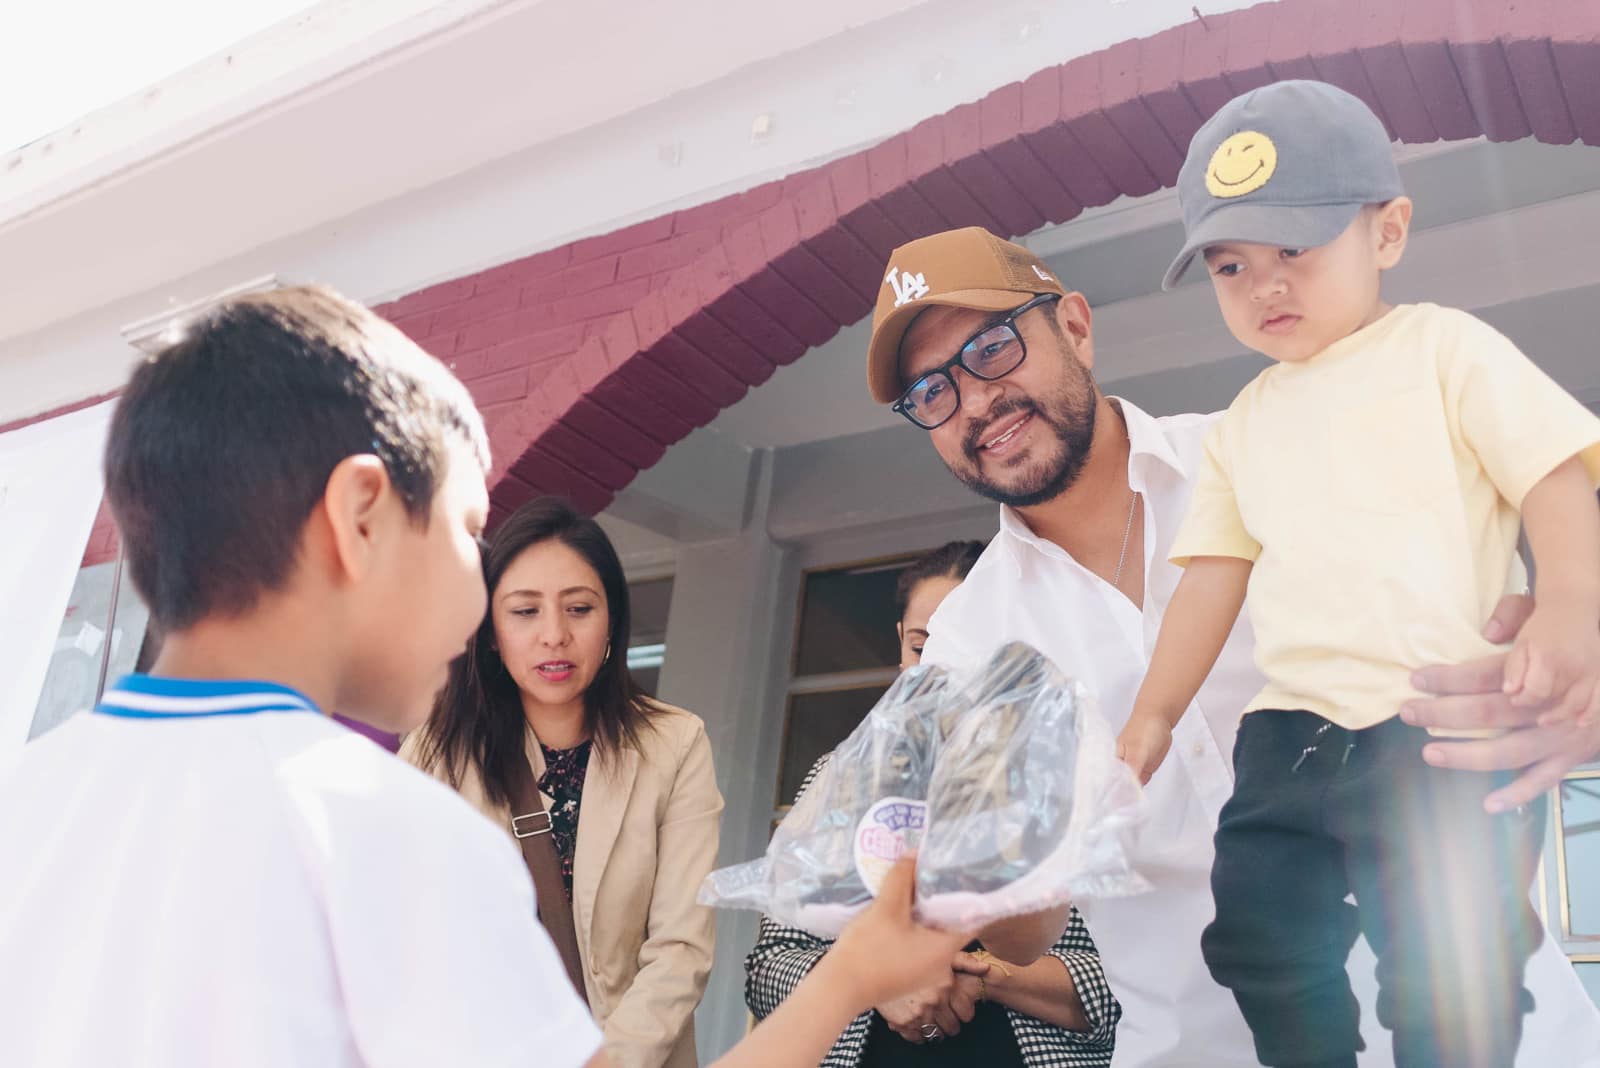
x=1368 y=490
x=222 y=446
x=206 y=870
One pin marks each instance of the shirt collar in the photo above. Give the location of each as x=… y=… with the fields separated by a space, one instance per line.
x=154 y=697
x=1147 y=442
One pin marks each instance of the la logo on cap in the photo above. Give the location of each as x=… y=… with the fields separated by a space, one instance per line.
x=907 y=287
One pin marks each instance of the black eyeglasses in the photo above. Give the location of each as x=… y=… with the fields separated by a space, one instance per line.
x=991 y=353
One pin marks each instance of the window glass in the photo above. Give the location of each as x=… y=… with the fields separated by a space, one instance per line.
x=650 y=602
x=89 y=641
x=815 y=724
x=847 y=620
x=1580 y=845
x=1589 y=975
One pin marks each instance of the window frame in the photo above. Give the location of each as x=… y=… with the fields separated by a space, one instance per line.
x=826 y=682
x=1578 y=948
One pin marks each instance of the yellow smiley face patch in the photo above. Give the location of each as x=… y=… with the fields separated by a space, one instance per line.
x=1241 y=164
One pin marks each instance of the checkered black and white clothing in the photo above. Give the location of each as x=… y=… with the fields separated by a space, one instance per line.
x=784 y=955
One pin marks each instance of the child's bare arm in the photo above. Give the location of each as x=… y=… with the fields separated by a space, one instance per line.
x=1554 y=654
x=882 y=955
x=1202 y=612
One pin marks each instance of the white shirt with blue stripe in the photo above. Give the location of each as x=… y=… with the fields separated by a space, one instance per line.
x=215 y=873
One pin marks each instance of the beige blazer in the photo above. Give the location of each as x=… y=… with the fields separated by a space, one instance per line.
x=647 y=836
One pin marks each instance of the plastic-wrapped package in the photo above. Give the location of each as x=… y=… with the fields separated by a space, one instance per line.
x=866 y=807
x=1028 y=804
x=1008 y=785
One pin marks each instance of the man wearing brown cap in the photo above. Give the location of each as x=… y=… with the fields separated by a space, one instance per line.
x=980 y=346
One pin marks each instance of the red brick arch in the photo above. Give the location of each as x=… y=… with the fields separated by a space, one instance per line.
x=591 y=359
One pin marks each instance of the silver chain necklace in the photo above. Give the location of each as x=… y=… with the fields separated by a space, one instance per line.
x=1127 y=532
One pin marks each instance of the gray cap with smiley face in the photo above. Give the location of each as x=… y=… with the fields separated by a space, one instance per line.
x=1289 y=164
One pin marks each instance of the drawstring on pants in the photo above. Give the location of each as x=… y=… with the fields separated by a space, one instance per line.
x=1316 y=743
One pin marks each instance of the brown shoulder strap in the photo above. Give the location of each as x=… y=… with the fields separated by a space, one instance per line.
x=531 y=825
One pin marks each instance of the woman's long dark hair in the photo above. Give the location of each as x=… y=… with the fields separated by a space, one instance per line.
x=477 y=720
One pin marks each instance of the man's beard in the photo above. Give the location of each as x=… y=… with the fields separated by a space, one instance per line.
x=1070 y=417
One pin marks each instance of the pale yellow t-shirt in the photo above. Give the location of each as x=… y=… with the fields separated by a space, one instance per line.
x=1376 y=487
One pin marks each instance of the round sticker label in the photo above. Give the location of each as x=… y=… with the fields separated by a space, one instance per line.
x=891 y=826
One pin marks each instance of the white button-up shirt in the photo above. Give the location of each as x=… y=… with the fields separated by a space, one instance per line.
x=1029 y=589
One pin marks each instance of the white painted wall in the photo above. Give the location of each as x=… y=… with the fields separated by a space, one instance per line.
x=446 y=152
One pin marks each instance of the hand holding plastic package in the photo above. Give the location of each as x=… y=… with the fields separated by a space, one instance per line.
x=862 y=811
x=1007 y=785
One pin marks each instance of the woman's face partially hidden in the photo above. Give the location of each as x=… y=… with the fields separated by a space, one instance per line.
x=925 y=597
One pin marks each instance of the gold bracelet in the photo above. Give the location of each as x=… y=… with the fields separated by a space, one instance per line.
x=992 y=961
x=983 y=989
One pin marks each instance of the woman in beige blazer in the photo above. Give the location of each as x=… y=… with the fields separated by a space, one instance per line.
x=628 y=781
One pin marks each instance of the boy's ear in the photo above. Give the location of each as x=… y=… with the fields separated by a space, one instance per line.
x=1393 y=228
x=356 y=500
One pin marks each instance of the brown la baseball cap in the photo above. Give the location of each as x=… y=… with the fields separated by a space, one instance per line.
x=967 y=268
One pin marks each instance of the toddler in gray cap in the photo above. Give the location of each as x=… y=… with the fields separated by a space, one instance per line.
x=1367 y=490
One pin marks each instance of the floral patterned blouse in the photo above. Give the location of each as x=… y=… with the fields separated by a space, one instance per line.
x=562 y=782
